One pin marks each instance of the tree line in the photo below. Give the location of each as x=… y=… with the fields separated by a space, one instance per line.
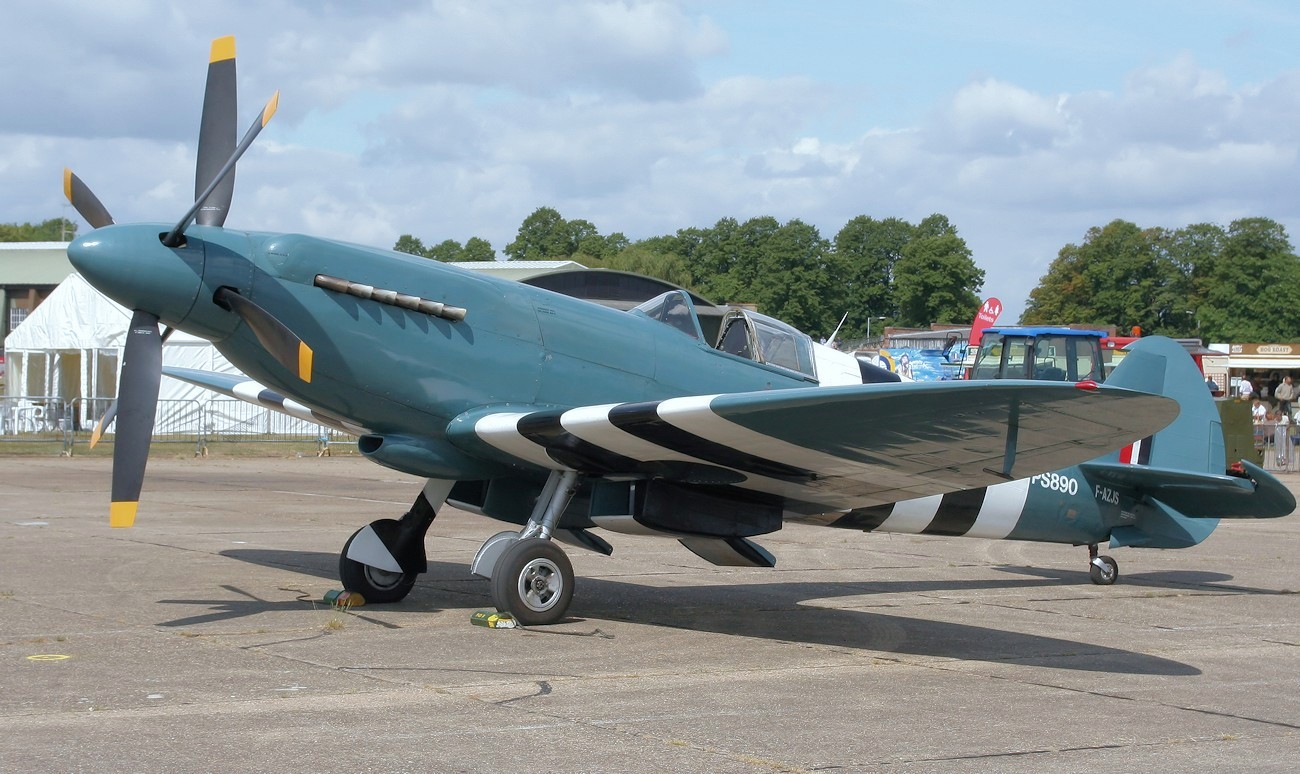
x=1240 y=283
x=1237 y=284
x=905 y=273
x=52 y=230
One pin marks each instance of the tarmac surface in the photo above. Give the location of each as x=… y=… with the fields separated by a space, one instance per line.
x=197 y=641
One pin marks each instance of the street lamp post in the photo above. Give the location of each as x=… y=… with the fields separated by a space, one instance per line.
x=869 y=319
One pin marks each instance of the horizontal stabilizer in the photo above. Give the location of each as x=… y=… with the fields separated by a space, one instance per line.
x=1200 y=495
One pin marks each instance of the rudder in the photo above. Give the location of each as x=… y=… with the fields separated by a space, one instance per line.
x=1193 y=441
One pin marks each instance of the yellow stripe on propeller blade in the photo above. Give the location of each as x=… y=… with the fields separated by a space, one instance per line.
x=122 y=514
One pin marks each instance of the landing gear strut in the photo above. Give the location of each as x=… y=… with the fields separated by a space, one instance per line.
x=1102 y=569
x=382 y=559
x=532 y=578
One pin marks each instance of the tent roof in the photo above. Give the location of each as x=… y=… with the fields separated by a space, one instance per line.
x=76 y=316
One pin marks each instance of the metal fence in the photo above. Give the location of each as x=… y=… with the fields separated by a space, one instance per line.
x=1279 y=444
x=43 y=423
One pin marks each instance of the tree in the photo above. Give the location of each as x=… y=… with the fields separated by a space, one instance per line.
x=794 y=281
x=1116 y=277
x=446 y=251
x=409 y=244
x=543 y=235
x=669 y=267
x=1242 y=284
x=936 y=280
x=1251 y=291
x=477 y=249
x=868 y=250
x=52 y=230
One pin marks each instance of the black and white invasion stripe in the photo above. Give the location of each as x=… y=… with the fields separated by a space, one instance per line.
x=986 y=512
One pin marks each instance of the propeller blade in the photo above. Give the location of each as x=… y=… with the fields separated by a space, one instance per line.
x=137 y=396
x=174 y=237
x=84 y=201
x=107 y=418
x=217 y=134
x=283 y=344
x=103 y=424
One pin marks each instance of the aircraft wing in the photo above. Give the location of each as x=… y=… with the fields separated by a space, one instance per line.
x=829 y=448
x=249 y=391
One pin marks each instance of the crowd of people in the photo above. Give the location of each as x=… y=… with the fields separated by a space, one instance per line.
x=1272 y=399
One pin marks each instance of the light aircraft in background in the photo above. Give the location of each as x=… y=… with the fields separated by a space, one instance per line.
x=564 y=417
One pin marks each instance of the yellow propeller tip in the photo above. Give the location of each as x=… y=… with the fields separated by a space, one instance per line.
x=122 y=514
x=271 y=106
x=222 y=49
x=304 y=361
x=67 y=183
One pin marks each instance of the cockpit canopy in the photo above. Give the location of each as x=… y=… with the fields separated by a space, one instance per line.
x=743 y=333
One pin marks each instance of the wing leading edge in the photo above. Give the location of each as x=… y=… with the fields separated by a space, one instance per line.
x=829 y=448
x=249 y=391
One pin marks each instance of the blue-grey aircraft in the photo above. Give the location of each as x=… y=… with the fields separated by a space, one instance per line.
x=562 y=416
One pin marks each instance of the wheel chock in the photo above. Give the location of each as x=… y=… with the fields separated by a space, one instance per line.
x=492 y=619
x=344 y=599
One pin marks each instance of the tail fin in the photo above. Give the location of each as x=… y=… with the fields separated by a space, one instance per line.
x=1193 y=441
x=1178 y=476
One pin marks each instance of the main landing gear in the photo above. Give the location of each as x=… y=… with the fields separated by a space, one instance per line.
x=1102 y=569
x=382 y=559
x=532 y=578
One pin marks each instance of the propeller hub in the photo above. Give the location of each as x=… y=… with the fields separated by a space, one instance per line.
x=130 y=265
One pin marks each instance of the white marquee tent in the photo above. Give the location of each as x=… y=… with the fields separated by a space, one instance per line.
x=68 y=353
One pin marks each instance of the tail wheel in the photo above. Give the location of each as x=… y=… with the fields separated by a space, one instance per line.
x=533 y=581
x=1103 y=570
x=372 y=583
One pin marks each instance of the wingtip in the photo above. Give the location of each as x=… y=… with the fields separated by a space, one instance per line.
x=122 y=514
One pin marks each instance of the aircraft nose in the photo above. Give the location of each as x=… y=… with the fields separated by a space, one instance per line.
x=130 y=265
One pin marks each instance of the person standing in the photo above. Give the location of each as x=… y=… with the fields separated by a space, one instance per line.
x=1258 y=413
x=1245 y=390
x=1282 y=438
x=1285 y=393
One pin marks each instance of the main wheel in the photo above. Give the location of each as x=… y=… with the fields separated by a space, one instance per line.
x=1103 y=571
x=372 y=583
x=533 y=581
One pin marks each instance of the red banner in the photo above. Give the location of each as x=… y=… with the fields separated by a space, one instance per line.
x=986 y=316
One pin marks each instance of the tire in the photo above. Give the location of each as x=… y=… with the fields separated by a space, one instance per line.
x=373 y=584
x=533 y=581
x=1104 y=571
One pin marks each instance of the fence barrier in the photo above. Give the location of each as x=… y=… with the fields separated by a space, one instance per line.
x=43 y=421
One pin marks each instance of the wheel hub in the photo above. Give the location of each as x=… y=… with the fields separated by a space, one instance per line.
x=382 y=578
x=540 y=584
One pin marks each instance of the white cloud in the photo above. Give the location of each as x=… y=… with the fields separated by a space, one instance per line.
x=451 y=120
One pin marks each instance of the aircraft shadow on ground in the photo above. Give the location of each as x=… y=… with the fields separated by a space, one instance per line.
x=774 y=611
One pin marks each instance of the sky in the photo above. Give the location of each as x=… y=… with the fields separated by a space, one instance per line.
x=1025 y=123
